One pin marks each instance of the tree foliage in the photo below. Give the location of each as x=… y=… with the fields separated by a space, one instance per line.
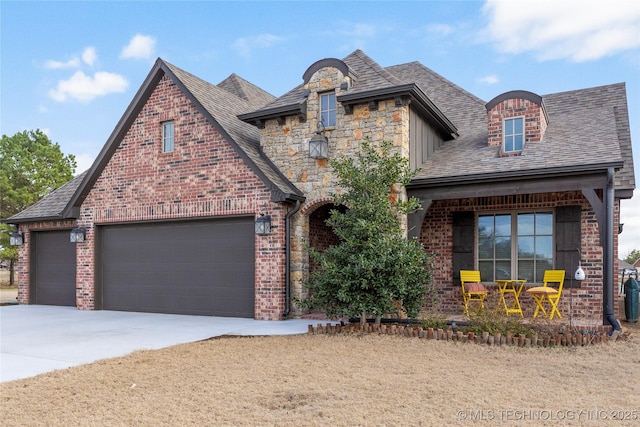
x=632 y=256
x=374 y=269
x=31 y=166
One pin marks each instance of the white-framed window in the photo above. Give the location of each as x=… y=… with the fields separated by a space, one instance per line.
x=328 y=109
x=167 y=137
x=513 y=130
x=515 y=245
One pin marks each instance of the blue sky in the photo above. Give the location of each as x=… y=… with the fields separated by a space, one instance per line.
x=71 y=68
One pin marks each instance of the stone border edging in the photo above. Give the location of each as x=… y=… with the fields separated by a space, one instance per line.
x=576 y=339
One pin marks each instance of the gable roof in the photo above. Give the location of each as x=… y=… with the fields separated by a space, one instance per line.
x=371 y=82
x=219 y=105
x=241 y=88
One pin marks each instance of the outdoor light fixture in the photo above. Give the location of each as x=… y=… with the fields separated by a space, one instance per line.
x=263 y=224
x=579 y=272
x=78 y=235
x=16 y=238
x=319 y=144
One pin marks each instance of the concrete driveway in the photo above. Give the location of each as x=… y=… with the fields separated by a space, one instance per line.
x=35 y=339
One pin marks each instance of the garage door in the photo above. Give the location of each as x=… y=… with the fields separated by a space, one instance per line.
x=53 y=279
x=192 y=267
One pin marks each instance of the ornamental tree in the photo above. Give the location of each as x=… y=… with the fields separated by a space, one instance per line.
x=31 y=166
x=374 y=269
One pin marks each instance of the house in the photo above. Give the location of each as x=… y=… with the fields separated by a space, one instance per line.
x=171 y=215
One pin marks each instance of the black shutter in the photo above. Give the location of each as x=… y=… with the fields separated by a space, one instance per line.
x=463 y=240
x=567 y=241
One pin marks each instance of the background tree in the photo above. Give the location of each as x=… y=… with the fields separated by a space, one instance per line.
x=632 y=256
x=374 y=269
x=31 y=166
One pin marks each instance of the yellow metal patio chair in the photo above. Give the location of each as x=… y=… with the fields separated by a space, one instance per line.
x=547 y=294
x=472 y=289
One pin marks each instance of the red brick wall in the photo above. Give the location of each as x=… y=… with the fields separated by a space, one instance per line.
x=534 y=121
x=203 y=177
x=437 y=237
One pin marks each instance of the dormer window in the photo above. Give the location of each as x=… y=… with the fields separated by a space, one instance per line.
x=328 y=109
x=513 y=135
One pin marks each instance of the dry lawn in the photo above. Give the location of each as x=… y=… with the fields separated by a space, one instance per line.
x=339 y=380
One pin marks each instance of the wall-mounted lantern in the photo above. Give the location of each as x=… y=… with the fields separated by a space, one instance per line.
x=263 y=224
x=16 y=238
x=78 y=235
x=319 y=144
x=579 y=274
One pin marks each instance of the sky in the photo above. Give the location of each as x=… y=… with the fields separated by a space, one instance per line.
x=71 y=68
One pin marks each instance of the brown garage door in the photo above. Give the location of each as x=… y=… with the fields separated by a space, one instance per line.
x=190 y=267
x=53 y=278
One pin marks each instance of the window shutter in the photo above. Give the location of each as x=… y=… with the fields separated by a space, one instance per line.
x=463 y=241
x=567 y=237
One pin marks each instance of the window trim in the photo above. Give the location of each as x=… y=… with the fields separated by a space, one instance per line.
x=514 y=236
x=505 y=135
x=321 y=112
x=165 y=139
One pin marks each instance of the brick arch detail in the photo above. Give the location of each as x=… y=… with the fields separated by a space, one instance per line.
x=309 y=208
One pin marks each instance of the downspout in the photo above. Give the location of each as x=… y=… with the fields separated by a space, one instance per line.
x=287 y=268
x=608 y=256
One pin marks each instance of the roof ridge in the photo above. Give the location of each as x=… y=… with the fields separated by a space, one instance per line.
x=444 y=80
x=381 y=71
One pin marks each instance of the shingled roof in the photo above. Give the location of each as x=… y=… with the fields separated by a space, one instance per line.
x=241 y=88
x=588 y=129
x=220 y=105
x=52 y=206
x=371 y=82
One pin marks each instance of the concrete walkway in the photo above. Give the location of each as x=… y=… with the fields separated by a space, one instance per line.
x=35 y=339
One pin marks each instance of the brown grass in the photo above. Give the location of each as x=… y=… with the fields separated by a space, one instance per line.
x=338 y=380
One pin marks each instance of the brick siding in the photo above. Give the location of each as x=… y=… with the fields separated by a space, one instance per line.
x=437 y=237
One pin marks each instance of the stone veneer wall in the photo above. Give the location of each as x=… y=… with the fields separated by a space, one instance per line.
x=437 y=237
x=287 y=145
x=203 y=177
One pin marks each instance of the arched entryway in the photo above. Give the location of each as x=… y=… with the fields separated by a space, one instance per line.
x=321 y=236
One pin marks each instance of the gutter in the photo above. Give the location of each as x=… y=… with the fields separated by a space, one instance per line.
x=608 y=258
x=512 y=175
x=287 y=268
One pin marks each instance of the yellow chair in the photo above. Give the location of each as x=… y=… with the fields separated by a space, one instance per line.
x=472 y=289
x=547 y=294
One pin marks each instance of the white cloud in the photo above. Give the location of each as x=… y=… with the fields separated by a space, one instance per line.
x=245 y=45
x=89 y=55
x=81 y=87
x=490 y=79
x=56 y=65
x=139 y=47
x=573 y=29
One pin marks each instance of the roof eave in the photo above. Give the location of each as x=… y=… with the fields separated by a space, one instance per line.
x=258 y=118
x=513 y=175
x=402 y=94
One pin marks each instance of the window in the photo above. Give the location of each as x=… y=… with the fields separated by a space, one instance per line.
x=328 y=109
x=167 y=137
x=515 y=245
x=513 y=135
